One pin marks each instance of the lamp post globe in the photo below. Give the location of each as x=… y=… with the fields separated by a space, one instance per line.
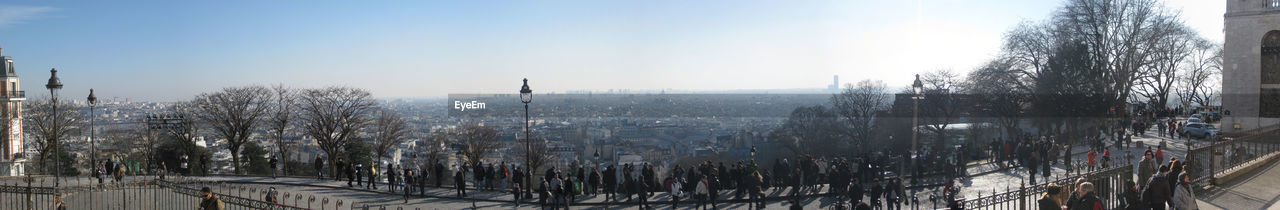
x=93 y=142
x=526 y=96
x=53 y=86
x=918 y=88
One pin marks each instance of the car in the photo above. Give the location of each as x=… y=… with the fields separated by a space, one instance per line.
x=1194 y=120
x=1198 y=116
x=1200 y=130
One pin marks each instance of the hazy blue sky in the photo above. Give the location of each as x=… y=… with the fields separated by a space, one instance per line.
x=171 y=50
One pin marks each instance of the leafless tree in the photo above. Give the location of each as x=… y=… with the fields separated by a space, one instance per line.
x=537 y=154
x=858 y=105
x=1169 y=54
x=332 y=116
x=1199 y=80
x=48 y=129
x=477 y=141
x=389 y=130
x=233 y=114
x=1120 y=35
x=939 y=108
x=283 y=113
x=998 y=90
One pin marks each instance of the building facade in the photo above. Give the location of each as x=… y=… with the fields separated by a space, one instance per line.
x=1251 y=64
x=11 y=119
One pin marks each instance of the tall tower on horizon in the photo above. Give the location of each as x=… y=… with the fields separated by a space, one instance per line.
x=835 y=83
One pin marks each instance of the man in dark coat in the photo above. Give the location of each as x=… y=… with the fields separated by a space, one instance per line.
x=460 y=183
x=1158 y=191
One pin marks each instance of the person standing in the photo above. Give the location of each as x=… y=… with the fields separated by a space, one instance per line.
x=1086 y=200
x=318 y=164
x=1052 y=197
x=391 y=178
x=459 y=183
x=408 y=184
x=208 y=201
x=1091 y=155
x=273 y=163
x=1146 y=167
x=373 y=176
x=1183 y=197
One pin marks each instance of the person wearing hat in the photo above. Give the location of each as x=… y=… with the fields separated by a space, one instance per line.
x=208 y=201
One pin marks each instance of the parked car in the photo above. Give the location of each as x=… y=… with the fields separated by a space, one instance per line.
x=1200 y=130
x=1194 y=120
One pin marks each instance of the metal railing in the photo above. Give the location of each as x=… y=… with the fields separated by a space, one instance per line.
x=1230 y=154
x=1108 y=184
x=14 y=94
x=85 y=193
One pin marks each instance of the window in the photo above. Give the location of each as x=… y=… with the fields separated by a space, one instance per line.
x=1269 y=98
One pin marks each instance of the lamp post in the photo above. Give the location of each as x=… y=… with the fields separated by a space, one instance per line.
x=93 y=142
x=918 y=88
x=53 y=86
x=526 y=96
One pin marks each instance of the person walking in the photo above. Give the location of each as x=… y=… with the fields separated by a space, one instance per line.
x=700 y=192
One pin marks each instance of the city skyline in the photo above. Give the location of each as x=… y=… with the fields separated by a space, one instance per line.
x=161 y=51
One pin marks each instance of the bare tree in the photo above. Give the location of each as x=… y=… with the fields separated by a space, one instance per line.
x=332 y=116
x=283 y=112
x=998 y=91
x=477 y=141
x=1199 y=80
x=1120 y=35
x=537 y=154
x=858 y=104
x=233 y=113
x=48 y=129
x=1170 y=53
x=940 y=107
x=389 y=129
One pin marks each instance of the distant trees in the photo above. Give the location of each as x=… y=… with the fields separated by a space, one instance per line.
x=999 y=93
x=537 y=155
x=283 y=113
x=49 y=126
x=233 y=113
x=940 y=106
x=812 y=130
x=332 y=116
x=477 y=141
x=859 y=105
x=1199 y=80
x=389 y=129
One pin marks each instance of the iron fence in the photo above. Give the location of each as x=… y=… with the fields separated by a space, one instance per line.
x=35 y=193
x=1214 y=160
x=1108 y=186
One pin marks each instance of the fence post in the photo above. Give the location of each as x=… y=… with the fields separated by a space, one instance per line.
x=1022 y=195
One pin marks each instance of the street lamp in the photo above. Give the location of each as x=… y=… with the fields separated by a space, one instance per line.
x=918 y=88
x=93 y=142
x=53 y=86
x=526 y=96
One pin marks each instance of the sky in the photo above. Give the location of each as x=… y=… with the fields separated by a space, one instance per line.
x=173 y=50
